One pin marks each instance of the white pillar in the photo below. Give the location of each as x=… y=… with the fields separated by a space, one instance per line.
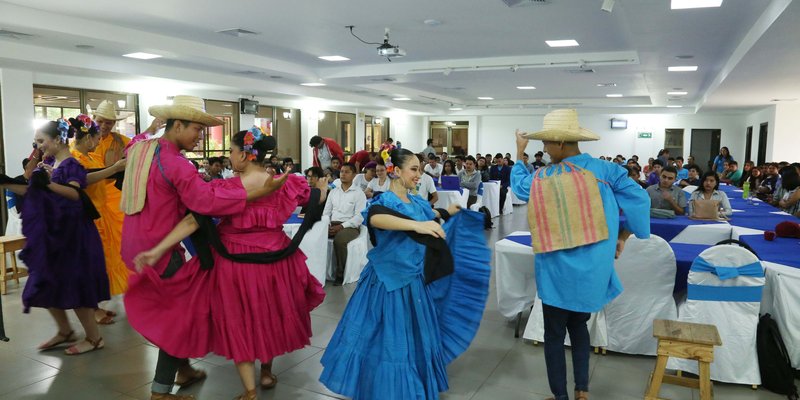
x=16 y=91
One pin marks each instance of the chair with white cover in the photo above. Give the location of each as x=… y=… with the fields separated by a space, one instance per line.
x=316 y=260
x=534 y=329
x=647 y=271
x=356 y=257
x=479 y=202
x=725 y=289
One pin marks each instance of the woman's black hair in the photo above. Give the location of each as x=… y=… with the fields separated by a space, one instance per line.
x=452 y=167
x=710 y=174
x=75 y=126
x=50 y=129
x=400 y=157
x=790 y=179
x=265 y=145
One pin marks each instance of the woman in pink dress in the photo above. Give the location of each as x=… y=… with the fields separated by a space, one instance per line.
x=258 y=311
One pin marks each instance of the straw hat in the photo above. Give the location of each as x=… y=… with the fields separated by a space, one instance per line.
x=186 y=108
x=106 y=110
x=562 y=126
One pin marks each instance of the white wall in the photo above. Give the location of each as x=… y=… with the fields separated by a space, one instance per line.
x=16 y=90
x=786 y=133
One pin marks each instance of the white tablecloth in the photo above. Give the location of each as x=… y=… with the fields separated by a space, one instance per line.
x=491 y=197
x=514 y=276
x=314 y=246
x=447 y=197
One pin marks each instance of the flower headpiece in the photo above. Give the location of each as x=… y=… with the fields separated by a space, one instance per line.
x=63 y=129
x=253 y=135
x=88 y=123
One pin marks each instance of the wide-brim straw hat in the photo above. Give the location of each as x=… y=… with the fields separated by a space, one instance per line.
x=106 y=110
x=185 y=108
x=562 y=126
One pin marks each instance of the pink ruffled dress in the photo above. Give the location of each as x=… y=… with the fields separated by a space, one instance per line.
x=244 y=312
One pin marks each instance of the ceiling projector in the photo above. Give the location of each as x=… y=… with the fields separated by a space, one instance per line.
x=389 y=51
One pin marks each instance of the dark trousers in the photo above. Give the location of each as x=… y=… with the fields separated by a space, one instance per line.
x=556 y=323
x=503 y=194
x=340 y=242
x=166 y=368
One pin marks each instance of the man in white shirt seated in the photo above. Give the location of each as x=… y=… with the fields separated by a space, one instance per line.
x=426 y=187
x=344 y=206
x=363 y=180
x=433 y=169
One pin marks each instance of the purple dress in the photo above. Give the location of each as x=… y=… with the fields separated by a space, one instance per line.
x=63 y=251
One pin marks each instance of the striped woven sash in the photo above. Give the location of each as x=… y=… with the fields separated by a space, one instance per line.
x=137 y=171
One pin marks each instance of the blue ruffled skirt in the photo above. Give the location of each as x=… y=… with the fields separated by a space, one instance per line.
x=397 y=344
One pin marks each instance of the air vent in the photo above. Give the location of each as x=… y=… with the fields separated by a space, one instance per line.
x=250 y=73
x=237 y=32
x=14 y=35
x=383 y=79
x=581 y=71
x=521 y=3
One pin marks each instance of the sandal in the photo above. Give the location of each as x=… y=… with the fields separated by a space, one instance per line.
x=581 y=395
x=197 y=376
x=103 y=317
x=270 y=375
x=96 y=345
x=248 y=395
x=51 y=344
x=168 y=396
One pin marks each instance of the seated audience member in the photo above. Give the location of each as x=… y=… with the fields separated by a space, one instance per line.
x=313 y=175
x=690 y=160
x=227 y=171
x=380 y=183
x=363 y=180
x=649 y=167
x=288 y=163
x=433 y=168
x=746 y=172
x=726 y=169
x=459 y=164
x=276 y=164
x=449 y=168
x=214 y=170
x=332 y=180
x=754 y=179
x=683 y=173
x=709 y=190
x=360 y=159
x=336 y=166
x=655 y=173
x=633 y=173
x=768 y=184
x=733 y=173
x=508 y=162
x=501 y=172
x=426 y=188
x=693 y=179
x=343 y=207
x=527 y=163
x=537 y=160
x=444 y=157
x=790 y=199
x=664 y=195
x=470 y=179
x=483 y=168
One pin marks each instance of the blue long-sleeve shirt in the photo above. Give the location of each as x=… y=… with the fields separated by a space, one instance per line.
x=582 y=279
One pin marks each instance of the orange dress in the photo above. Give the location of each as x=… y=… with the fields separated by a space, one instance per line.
x=109 y=225
x=108 y=151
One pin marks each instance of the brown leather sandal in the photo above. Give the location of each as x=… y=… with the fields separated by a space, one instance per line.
x=64 y=338
x=168 y=396
x=248 y=395
x=270 y=375
x=96 y=345
x=197 y=376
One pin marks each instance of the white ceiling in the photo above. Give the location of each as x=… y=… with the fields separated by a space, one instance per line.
x=740 y=48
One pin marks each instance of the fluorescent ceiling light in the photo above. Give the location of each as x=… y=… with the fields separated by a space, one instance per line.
x=526 y=87
x=683 y=4
x=312 y=84
x=456 y=108
x=562 y=43
x=681 y=93
x=334 y=58
x=401 y=99
x=142 y=56
x=674 y=106
x=614 y=95
x=682 y=68
x=485 y=98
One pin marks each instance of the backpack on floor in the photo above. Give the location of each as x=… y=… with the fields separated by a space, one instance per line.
x=487 y=217
x=777 y=374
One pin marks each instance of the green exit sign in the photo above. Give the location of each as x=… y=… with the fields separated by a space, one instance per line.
x=645 y=135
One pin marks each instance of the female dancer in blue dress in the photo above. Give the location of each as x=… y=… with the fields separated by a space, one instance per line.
x=398 y=332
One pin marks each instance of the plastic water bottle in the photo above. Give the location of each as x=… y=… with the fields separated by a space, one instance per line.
x=746 y=191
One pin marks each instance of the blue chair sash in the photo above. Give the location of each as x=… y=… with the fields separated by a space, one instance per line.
x=11 y=199
x=480 y=189
x=726 y=293
x=724 y=273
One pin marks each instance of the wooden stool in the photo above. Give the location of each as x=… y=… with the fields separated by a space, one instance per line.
x=684 y=340
x=9 y=245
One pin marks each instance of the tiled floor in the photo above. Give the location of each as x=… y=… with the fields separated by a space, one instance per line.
x=496 y=366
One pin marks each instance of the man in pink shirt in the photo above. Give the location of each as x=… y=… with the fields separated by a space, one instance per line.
x=172 y=188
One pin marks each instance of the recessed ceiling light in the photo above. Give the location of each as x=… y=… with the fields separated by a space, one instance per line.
x=84 y=46
x=313 y=84
x=142 y=56
x=456 y=108
x=684 y=57
x=674 y=106
x=678 y=93
x=401 y=99
x=614 y=95
x=776 y=100
x=562 y=43
x=432 y=22
x=683 y=4
x=682 y=68
x=607 y=84
x=526 y=87
x=334 y=58
x=485 y=98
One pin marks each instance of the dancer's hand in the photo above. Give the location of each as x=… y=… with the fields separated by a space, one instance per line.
x=522 y=142
x=453 y=209
x=429 y=228
x=119 y=166
x=146 y=259
x=322 y=185
x=273 y=184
